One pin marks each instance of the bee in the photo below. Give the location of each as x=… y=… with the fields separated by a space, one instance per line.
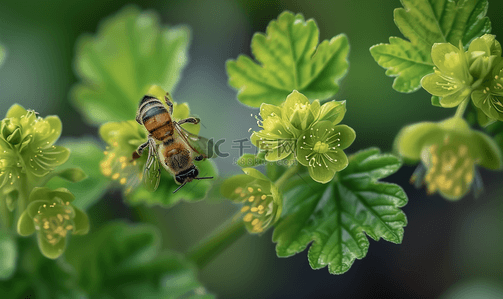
x=169 y=144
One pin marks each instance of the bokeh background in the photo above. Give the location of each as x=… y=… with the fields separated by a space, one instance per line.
x=450 y=249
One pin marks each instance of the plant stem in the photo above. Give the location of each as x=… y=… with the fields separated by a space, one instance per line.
x=217 y=242
x=287 y=175
x=22 y=200
x=462 y=108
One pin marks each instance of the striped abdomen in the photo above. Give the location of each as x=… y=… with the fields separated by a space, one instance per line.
x=156 y=118
x=176 y=156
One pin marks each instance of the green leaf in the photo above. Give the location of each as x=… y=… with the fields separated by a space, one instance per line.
x=124 y=261
x=8 y=255
x=163 y=196
x=130 y=52
x=403 y=60
x=86 y=154
x=424 y=23
x=337 y=216
x=289 y=58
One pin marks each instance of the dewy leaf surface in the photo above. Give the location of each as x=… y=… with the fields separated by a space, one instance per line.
x=289 y=58
x=338 y=216
x=130 y=52
x=425 y=22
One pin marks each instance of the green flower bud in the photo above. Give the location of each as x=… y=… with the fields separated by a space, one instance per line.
x=483 y=54
x=298 y=112
x=51 y=214
x=451 y=79
x=321 y=149
x=262 y=202
x=11 y=132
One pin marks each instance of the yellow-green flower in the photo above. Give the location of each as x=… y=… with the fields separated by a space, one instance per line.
x=451 y=79
x=489 y=98
x=283 y=125
x=27 y=150
x=51 y=214
x=321 y=149
x=261 y=199
x=451 y=168
x=450 y=151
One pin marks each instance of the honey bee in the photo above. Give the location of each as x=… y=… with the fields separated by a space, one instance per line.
x=169 y=144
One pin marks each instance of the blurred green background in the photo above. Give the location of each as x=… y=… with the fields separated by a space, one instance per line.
x=448 y=247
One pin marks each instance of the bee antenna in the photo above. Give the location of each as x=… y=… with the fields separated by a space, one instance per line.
x=180 y=187
x=204 y=178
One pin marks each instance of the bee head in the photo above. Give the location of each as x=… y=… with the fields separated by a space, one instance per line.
x=187 y=175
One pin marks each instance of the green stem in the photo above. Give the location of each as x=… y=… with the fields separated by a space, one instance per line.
x=287 y=175
x=462 y=108
x=217 y=242
x=22 y=200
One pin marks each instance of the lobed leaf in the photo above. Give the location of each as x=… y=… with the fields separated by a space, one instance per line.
x=289 y=58
x=125 y=261
x=337 y=217
x=130 y=52
x=424 y=23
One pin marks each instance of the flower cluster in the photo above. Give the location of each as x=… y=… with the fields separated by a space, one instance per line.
x=27 y=149
x=261 y=199
x=51 y=214
x=307 y=132
x=450 y=151
x=476 y=72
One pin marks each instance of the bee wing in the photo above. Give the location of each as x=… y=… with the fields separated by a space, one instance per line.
x=152 y=170
x=199 y=145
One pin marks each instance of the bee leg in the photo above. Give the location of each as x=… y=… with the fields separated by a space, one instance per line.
x=139 y=150
x=192 y=120
x=168 y=102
